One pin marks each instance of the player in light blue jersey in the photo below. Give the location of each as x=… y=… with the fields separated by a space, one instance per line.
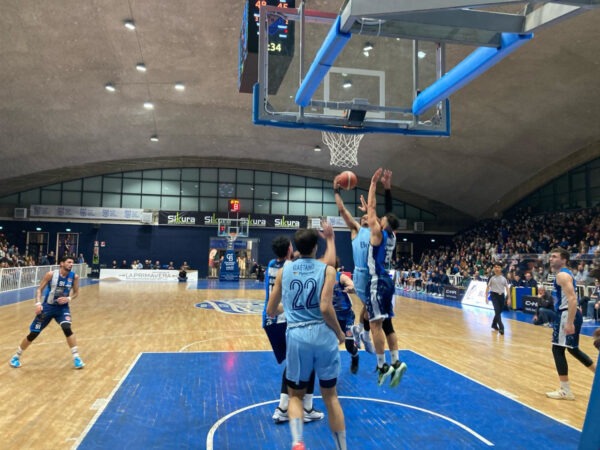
x=303 y=290
x=275 y=327
x=57 y=289
x=567 y=326
x=380 y=306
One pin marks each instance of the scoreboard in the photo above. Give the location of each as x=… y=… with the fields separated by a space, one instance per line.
x=281 y=45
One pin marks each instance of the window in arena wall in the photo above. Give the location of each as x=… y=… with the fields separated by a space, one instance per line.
x=245 y=176
x=190 y=174
x=93 y=184
x=296 y=208
x=91 y=199
x=282 y=192
x=279 y=207
x=132 y=201
x=314 y=209
x=209 y=175
x=208 y=204
x=208 y=189
x=131 y=186
x=111 y=200
x=171 y=174
x=50 y=197
x=71 y=198
x=151 y=187
x=172 y=203
x=261 y=206
x=188 y=204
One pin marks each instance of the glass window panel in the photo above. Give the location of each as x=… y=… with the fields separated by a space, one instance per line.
x=282 y=193
x=132 y=187
x=190 y=174
x=71 y=198
x=595 y=177
x=595 y=164
x=30 y=197
x=261 y=177
x=111 y=200
x=190 y=188
x=314 y=195
x=170 y=203
x=413 y=213
x=578 y=180
x=315 y=183
x=227 y=175
x=279 y=208
x=171 y=187
x=297 y=194
x=427 y=216
x=223 y=205
x=93 y=199
x=262 y=206
x=132 y=201
x=226 y=190
x=135 y=174
x=208 y=204
x=171 y=174
x=330 y=209
x=50 y=197
x=74 y=185
x=10 y=199
x=262 y=192
x=245 y=191
x=245 y=176
x=209 y=174
x=114 y=175
x=150 y=202
x=297 y=208
x=547 y=190
x=208 y=189
x=595 y=196
x=92 y=184
x=328 y=195
x=112 y=185
x=189 y=203
x=279 y=178
x=314 y=209
x=562 y=184
x=151 y=187
x=155 y=174
x=547 y=203
x=247 y=206
x=562 y=201
x=55 y=187
x=297 y=181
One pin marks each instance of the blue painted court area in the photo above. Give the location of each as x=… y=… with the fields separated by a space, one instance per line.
x=225 y=401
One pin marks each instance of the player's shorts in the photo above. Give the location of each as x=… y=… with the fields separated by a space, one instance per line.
x=60 y=313
x=360 y=278
x=312 y=347
x=380 y=304
x=558 y=334
x=276 y=334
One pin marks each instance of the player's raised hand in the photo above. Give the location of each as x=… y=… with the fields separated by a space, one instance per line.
x=386 y=179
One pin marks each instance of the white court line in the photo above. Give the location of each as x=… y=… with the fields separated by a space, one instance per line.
x=218 y=423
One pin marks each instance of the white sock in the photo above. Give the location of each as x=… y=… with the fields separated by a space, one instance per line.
x=395 y=357
x=19 y=352
x=296 y=429
x=307 y=403
x=380 y=360
x=75 y=352
x=340 y=439
x=565 y=386
x=284 y=400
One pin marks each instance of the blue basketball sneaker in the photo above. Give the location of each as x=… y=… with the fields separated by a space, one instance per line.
x=79 y=364
x=15 y=362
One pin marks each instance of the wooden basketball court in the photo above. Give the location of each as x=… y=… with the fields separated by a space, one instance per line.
x=48 y=404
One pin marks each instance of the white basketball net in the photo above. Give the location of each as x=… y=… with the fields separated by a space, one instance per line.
x=343 y=148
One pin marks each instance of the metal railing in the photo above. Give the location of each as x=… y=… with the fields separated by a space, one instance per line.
x=13 y=278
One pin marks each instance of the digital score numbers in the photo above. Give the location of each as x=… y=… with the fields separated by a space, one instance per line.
x=234 y=205
x=281 y=31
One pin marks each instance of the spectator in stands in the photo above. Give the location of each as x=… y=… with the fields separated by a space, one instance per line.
x=81 y=259
x=114 y=264
x=529 y=281
x=593 y=308
x=185 y=266
x=545 y=313
x=170 y=266
x=444 y=281
x=124 y=264
x=157 y=265
x=51 y=258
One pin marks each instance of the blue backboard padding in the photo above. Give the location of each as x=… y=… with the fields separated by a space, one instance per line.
x=468 y=69
x=590 y=435
x=332 y=46
x=224 y=400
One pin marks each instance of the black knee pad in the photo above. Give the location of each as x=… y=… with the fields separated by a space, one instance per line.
x=581 y=357
x=32 y=335
x=66 y=327
x=351 y=346
x=388 y=327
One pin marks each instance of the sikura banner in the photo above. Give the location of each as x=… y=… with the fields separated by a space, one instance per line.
x=199 y=218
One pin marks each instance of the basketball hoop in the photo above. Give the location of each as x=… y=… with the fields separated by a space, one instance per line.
x=343 y=148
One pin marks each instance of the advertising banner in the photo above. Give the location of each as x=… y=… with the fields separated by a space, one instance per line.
x=145 y=275
x=199 y=218
x=85 y=212
x=475 y=295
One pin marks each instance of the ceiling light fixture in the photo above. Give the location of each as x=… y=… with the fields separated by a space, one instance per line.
x=317 y=148
x=347 y=84
x=148 y=105
x=110 y=87
x=421 y=54
x=180 y=87
x=129 y=24
x=154 y=138
x=368 y=47
x=141 y=67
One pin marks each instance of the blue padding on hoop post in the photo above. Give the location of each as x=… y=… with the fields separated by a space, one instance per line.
x=332 y=46
x=468 y=69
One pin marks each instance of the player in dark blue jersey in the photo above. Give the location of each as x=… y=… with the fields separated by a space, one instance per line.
x=53 y=296
x=343 y=290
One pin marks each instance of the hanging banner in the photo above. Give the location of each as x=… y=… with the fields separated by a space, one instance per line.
x=195 y=218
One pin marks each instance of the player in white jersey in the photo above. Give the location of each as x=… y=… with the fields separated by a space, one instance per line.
x=305 y=287
x=567 y=325
x=380 y=306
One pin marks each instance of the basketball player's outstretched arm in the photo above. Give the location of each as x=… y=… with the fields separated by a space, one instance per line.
x=350 y=222
x=327 y=234
x=372 y=219
x=386 y=180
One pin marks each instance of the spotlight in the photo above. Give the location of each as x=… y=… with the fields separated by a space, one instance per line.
x=421 y=54
x=129 y=24
x=347 y=84
x=141 y=67
x=154 y=138
x=110 y=87
x=148 y=105
x=368 y=47
x=317 y=148
x=179 y=87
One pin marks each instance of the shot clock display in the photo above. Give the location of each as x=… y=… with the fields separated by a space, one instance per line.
x=281 y=44
x=234 y=205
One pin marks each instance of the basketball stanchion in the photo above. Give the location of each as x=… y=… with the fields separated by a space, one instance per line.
x=343 y=148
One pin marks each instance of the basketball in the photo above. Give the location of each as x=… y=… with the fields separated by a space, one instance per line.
x=347 y=180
